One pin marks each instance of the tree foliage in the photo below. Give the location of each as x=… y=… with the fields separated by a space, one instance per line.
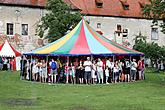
x=58 y=20
x=151 y=50
x=156 y=11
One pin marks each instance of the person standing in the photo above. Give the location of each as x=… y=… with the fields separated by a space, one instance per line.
x=140 y=68
x=5 y=64
x=107 y=74
x=81 y=72
x=93 y=72
x=143 y=68
x=120 y=64
x=44 y=71
x=1 y=63
x=116 y=72
x=67 y=71
x=133 y=70
x=127 y=70
x=100 y=70
x=35 y=71
x=73 y=71
x=53 y=65
x=88 y=66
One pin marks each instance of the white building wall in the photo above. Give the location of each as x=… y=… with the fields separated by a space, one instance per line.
x=18 y=16
x=134 y=26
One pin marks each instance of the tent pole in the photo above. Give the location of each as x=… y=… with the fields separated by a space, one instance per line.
x=91 y=57
x=47 y=68
x=130 y=67
x=113 y=70
x=30 y=68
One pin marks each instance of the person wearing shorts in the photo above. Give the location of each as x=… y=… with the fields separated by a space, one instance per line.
x=87 y=76
x=44 y=71
x=73 y=72
x=53 y=71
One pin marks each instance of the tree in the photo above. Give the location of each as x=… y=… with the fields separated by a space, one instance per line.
x=156 y=11
x=151 y=50
x=58 y=20
x=140 y=43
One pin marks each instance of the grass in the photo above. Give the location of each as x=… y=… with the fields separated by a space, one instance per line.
x=16 y=94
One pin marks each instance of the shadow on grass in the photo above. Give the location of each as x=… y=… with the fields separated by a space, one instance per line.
x=20 y=102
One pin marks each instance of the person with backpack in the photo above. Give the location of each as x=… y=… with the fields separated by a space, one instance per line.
x=53 y=66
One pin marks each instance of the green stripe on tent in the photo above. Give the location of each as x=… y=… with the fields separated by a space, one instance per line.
x=65 y=49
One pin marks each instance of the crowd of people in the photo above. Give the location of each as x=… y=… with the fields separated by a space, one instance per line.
x=6 y=63
x=84 y=70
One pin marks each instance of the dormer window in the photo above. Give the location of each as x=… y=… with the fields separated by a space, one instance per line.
x=125 y=5
x=99 y=3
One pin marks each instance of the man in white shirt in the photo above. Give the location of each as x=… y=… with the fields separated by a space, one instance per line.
x=133 y=70
x=100 y=70
x=88 y=68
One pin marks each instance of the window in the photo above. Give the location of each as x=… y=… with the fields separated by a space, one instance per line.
x=125 y=33
x=98 y=25
x=24 y=29
x=99 y=3
x=118 y=27
x=10 y=28
x=118 y=31
x=154 y=34
x=125 y=5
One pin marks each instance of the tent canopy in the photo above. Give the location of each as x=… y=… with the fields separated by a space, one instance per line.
x=83 y=40
x=6 y=50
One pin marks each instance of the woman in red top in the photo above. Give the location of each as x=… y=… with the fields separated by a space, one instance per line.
x=12 y=64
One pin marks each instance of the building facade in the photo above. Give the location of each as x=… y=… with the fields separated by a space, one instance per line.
x=118 y=20
x=18 y=22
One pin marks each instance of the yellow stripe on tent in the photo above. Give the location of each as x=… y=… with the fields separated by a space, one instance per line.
x=57 y=45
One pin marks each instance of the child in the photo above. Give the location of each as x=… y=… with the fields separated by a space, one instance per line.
x=73 y=71
x=107 y=74
x=67 y=71
x=35 y=71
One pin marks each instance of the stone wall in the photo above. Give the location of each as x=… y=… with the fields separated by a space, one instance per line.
x=134 y=26
x=18 y=16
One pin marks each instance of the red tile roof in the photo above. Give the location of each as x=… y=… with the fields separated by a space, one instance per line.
x=37 y=3
x=110 y=7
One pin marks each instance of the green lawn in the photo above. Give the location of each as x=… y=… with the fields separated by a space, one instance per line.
x=16 y=94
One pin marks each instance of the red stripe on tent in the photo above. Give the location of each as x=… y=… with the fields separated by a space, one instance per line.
x=1 y=46
x=109 y=46
x=15 y=51
x=81 y=45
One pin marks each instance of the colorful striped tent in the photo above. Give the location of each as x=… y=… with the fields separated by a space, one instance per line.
x=83 y=40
